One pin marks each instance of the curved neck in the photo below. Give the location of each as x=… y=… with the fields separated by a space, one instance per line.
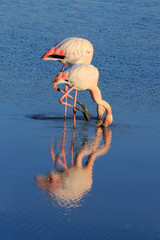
x=97 y=98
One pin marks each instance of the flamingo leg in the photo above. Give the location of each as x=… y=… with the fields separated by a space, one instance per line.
x=66 y=94
x=61 y=157
x=65 y=109
x=73 y=106
x=59 y=161
x=74 y=109
x=52 y=154
x=58 y=89
x=63 y=67
x=84 y=110
x=63 y=148
x=53 y=157
x=72 y=147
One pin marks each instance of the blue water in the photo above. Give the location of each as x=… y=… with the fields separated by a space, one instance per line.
x=122 y=200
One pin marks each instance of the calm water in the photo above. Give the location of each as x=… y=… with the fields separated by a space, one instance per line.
x=116 y=195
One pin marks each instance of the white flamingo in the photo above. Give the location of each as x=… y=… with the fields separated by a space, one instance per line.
x=70 y=51
x=83 y=77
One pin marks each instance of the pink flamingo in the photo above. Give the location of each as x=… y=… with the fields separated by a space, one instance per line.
x=71 y=182
x=83 y=77
x=70 y=51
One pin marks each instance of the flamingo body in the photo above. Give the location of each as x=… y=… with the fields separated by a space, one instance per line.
x=84 y=77
x=81 y=76
x=71 y=51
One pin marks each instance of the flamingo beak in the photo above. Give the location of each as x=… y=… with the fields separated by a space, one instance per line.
x=54 y=82
x=60 y=76
x=47 y=55
x=44 y=56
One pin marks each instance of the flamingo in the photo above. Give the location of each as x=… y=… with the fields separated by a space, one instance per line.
x=71 y=182
x=83 y=77
x=70 y=51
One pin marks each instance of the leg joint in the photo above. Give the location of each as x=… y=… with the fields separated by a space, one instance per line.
x=61 y=101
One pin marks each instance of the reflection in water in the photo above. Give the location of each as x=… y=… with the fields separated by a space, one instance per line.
x=69 y=184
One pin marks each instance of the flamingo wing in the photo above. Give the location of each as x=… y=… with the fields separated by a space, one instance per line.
x=71 y=51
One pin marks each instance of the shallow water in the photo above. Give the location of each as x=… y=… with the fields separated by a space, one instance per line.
x=119 y=197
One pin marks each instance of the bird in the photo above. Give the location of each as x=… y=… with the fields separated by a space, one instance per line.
x=72 y=178
x=70 y=51
x=83 y=77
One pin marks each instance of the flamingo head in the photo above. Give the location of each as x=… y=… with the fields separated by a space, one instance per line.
x=50 y=182
x=48 y=54
x=60 y=78
x=54 y=54
x=108 y=120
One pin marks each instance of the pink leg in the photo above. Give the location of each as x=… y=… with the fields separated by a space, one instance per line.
x=56 y=88
x=74 y=109
x=52 y=154
x=72 y=147
x=60 y=162
x=63 y=148
x=73 y=106
x=53 y=157
x=63 y=67
x=62 y=154
x=65 y=109
x=66 y=94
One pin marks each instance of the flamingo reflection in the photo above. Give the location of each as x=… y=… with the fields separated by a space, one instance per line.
x=69 y=184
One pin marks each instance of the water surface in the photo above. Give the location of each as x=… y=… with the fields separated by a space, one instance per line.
x=121 y=197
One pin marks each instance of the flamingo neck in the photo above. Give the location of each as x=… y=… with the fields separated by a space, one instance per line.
x=96 y=96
